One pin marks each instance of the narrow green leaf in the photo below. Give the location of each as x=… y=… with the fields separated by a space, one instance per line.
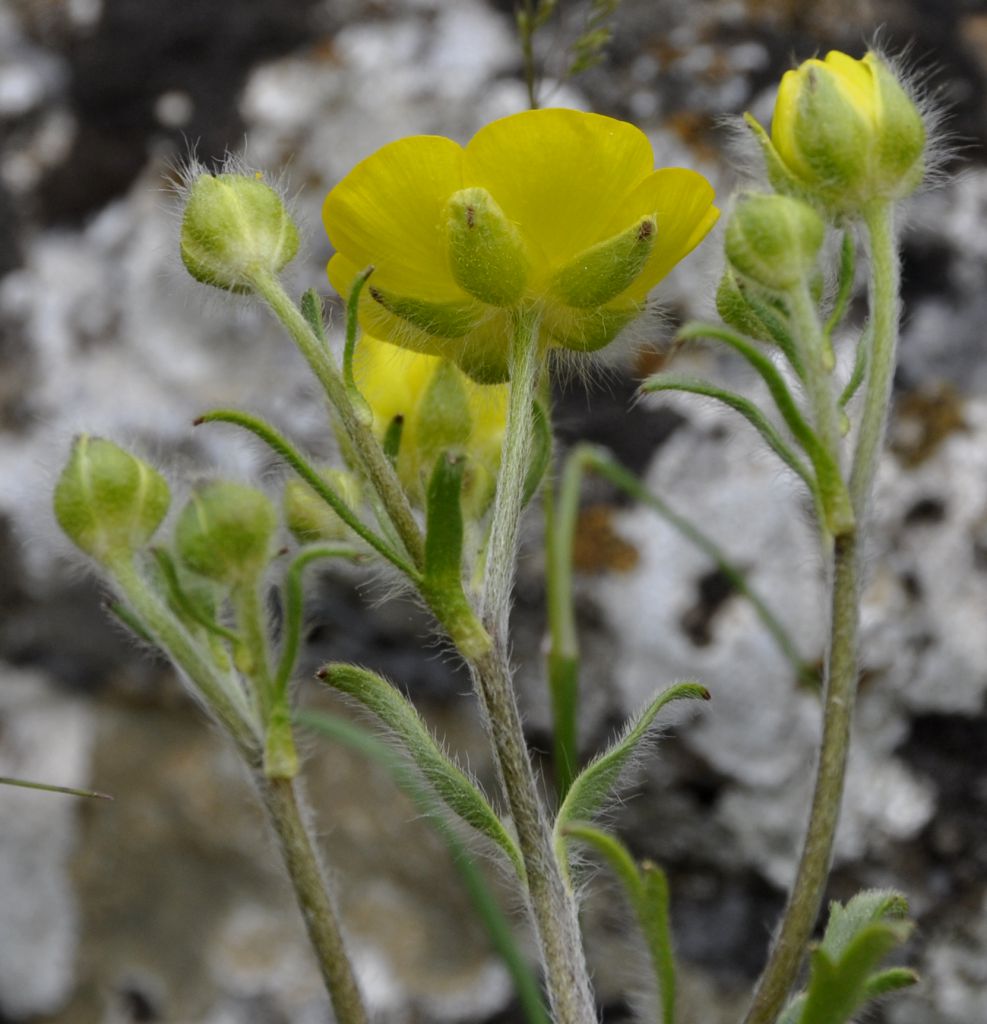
x=658 y=932
x=540 y=457
x=647 y=893
x=859 y=370
x=830 y=491
x=455 y=788
x=291 y=631
x=838 y=988
x=392 y=438
x=444 y=531
x=45 y=787
x=363 y=411
x=497 y=926
x=844 y=285
x=183 y=603
x=894 y=979
x=127 y=618
x=598 y=781
x=311 y=306
x=282 y=447
x=868 y=907
x=746 y=408
x=842 y=977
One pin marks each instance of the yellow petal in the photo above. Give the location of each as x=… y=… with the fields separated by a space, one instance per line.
x=785 y=116
x=856 y=82
x=682 y=202
x=388 y=211
x=559 y=175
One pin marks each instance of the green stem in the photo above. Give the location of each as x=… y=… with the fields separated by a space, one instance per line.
x=224 y=696
x=884 y=286
x=815 y=354
x=553 y=905
x=281 y=800
x=813 y=870
x=525 y=366
x=376 y=464
x=252 y=632
x=842 y=670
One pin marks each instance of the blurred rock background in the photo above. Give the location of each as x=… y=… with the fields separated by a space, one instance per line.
x=168 y=905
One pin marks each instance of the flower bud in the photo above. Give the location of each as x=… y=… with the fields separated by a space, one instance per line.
x=486 y=252
x=225 y=532
x=774 y=240
x=235 y=227
x=109 y=502
x=308 y=516
x=847 y=133
x=603 y=271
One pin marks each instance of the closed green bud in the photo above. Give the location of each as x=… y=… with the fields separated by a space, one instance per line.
x=308 y=516
x=603 y=271
x=225 y=533
x=235 y=227
x=846 y=133
x=486 y=252
x=109 y=502
x=774 y=240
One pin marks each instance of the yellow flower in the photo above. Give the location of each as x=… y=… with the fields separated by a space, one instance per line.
x=441 y=409
x=847 y=133
x=554 y=209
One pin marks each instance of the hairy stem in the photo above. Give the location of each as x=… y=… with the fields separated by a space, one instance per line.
x=502 y=548
x=553 y=906
x=224 y=696
x=280 y=797
x=378 y=467
x=813 y=870
x=842 y=669
x=884 y=285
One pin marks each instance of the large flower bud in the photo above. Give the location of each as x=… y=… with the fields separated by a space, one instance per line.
x=109 y=502
x=847 y=133
x=235 y=227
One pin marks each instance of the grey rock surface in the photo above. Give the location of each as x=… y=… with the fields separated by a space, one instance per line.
x=169 y=903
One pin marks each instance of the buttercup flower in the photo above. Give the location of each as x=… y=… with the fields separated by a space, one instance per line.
x=555 y=209
x=846 y=133
x=440 y=409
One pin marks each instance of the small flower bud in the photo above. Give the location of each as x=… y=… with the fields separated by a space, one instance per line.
x=486 y=252
x=603 y=271
x=225 y=532
x=308 y=516
x=235 y=227
x=847 y=133
x=774 y=240
x=109 y=502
